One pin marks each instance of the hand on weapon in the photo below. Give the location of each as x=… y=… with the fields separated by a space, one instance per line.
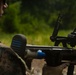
x=47 y=70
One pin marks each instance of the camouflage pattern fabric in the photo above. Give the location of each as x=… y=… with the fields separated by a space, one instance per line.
x=10 y=64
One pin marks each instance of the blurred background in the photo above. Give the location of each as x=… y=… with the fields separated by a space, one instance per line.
x=36 y=20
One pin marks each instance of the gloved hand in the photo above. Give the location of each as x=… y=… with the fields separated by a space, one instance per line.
x=47 y=70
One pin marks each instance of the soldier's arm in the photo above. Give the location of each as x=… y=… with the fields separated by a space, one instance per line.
x=10 y=64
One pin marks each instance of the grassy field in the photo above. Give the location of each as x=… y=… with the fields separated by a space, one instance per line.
x=38 y=39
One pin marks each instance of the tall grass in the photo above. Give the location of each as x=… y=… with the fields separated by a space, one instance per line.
x=6 y=38
x=34 y=39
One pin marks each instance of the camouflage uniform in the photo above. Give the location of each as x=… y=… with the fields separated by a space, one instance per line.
x=10 y=64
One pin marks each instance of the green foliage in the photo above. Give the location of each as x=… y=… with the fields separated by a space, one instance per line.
x=31 y=25
x=45 y=8
x=11 y=19
x=9 y=24
x=34 y=16
x=36 y=39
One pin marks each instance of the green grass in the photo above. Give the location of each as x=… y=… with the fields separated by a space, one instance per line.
x=38 y=39
x=6 y=38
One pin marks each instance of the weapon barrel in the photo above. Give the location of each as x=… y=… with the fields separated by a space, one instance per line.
x=52 y=52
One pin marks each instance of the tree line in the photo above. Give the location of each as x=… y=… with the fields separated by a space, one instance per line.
x=37 y=15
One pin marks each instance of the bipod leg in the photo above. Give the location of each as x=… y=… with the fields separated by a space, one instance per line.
x=70 y=69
